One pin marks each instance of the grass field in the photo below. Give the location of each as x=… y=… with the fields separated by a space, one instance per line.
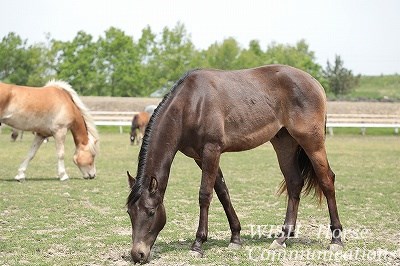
x=83 y=222
x=381 y=88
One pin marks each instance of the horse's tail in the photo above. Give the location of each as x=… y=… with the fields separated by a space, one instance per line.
x=308 y=174
x=89 y=121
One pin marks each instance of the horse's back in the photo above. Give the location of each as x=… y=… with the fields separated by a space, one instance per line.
x=245 y=108
x=143 y=118
x=140 y=119
x=35 y=108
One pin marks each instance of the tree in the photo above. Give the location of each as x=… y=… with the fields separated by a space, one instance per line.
x=13 y=68
x=145 y=80
x=118 y=62
x=75 y=62
x=223 y=55
x=252 y=57
x=37 y=65
x=297 y=56
x=173 y=55
x=340 y=80
x=117 y=65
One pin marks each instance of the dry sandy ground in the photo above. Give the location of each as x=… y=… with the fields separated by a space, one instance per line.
x=138 y=104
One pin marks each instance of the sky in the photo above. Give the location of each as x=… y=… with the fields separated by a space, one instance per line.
x=365 y=33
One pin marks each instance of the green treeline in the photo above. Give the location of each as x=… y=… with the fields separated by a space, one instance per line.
x=120 y=65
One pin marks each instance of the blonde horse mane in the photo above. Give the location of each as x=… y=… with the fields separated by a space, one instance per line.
x=87 y=117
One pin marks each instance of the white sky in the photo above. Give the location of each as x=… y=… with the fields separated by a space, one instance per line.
x=365 y=33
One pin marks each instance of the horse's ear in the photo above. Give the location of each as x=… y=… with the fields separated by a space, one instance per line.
x=153 y=185
x=131 y=179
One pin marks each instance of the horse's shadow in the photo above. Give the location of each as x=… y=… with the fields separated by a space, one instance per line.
x=162 y=247
x=41 y=179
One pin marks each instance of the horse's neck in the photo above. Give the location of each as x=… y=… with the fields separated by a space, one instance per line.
x=162 y=148
x=79 y=132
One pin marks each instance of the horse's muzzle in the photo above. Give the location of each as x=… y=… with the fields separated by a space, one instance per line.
x=90 y=176
x=140 y=254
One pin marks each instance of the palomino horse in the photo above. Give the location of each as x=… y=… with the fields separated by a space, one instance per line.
x=139 y=124
x=51 y=111
x=209 y=112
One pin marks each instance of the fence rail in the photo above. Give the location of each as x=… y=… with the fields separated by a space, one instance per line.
x=362 y=121
x=113 y=118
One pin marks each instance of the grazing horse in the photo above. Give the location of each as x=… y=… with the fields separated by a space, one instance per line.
x=139 y=124
x=51 y=111
x=209 y=112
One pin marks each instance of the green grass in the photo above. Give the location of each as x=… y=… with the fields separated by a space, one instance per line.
x=378 y=87
x=381 y=88
x=83 y=222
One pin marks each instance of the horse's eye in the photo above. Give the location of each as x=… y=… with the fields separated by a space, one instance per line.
x=152 y=212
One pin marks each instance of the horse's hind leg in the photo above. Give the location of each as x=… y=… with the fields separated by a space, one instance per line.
x=287 y=152
x=37 y=141
x=326 y=180
x=223 y=196
x=314 y=147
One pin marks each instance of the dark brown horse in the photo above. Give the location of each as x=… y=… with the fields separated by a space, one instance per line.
x=139 y=124
x=209 y=112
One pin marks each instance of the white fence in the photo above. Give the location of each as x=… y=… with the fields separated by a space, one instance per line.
x=111 y=118
x=362 y=121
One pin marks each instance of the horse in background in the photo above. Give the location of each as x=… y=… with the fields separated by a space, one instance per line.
x=51 y=110
x=139 y=124
x=15 y=134
x=150 y=108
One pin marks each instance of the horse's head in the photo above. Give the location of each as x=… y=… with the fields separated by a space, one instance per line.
x=84 y=159
x=147 y=214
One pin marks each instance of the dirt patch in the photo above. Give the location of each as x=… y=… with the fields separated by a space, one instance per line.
x=122 y=104
x=380 y=108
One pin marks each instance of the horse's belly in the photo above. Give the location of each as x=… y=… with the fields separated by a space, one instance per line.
x=249 y=137
x=27 y=124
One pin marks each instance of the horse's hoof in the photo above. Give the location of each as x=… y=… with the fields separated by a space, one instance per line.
x=234 y=246
x=20 y=178
x=196 y=254
x=275 y=245
x=335 y=247
x=64 y=177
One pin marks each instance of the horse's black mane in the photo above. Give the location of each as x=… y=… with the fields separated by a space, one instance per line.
x=136 y=190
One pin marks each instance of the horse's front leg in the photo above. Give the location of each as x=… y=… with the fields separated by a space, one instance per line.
x=223 y=195
x=209 y=166
x=37 y=141
x=59 y=138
